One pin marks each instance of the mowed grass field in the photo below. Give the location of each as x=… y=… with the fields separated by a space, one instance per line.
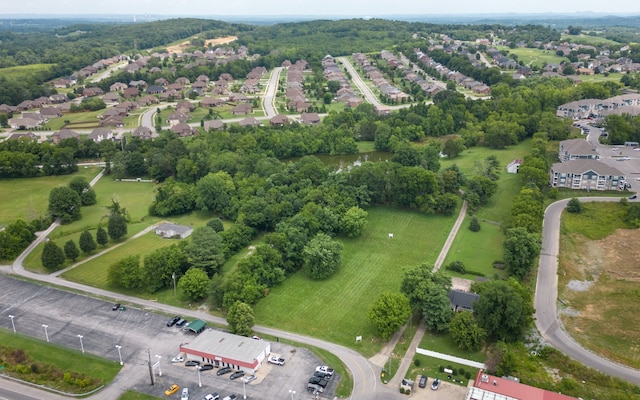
x=589 y=40
x=535 y=57
x=336 y=309
x=28 y=198
x=23 y=71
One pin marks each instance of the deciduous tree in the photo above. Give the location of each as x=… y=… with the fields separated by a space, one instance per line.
x=520 y=251
x=354 y=221
x=205 y=250
x=126 y=273
x=71 y=250
x=389 y=312
x=52 y=256
x=241 y=319
x=322 y=256
x=87 y=244
x=194 y=284
x=116 y=226
x=64 y=203
x=466 y=332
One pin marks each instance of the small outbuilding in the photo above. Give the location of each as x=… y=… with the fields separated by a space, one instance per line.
x=514 y=166
x=223 y=349
x=196 y=326
x=170 y=231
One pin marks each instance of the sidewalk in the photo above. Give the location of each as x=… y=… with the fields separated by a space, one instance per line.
x=408 y=357
x=447 y=357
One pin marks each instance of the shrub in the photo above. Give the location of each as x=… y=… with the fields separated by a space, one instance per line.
x=474 y=224
x=467 y=375
x=416 y=362
x=456 y=266
x=402 y=390
x=574 y=205
x=461 y=371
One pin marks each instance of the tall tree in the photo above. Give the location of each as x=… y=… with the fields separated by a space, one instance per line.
x=466 y=332
x=504 y=309
x=241 y=319
x=71 y=250
x=52 y=256
x=126 y=273
x=322 y=256
x=64 y=203
x=116 y=226
x=521 y=249
x=354 y=221
x=205 y=250
x=429 y=294
x=194 y=284
x=101 y=236
x=87 y=244
x=389 y=312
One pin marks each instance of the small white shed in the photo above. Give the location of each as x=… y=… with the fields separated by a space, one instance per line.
x=169 y=231
x=514 y=166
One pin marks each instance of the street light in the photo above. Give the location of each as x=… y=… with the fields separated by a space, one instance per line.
x=13 y=323
x=81 y=345
x=159 y=368
x=244 y=391
x=119 y=354
x=173 y=276
x=199 y=381
x=46 y=334
x=292 y=393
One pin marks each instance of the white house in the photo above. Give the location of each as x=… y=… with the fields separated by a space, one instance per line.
x=168 y=231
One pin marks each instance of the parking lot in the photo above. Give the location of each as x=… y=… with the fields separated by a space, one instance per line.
x=142 y=335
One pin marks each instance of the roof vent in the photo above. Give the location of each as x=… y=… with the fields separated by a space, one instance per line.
x=484 y=378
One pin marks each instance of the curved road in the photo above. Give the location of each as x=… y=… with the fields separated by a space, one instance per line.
x=546 y=297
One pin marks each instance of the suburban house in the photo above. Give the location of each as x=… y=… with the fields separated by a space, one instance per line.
x=24 y=123
x=64 y=134
x=171 y=231
x=183 y=129
x=461 y=300
x=279 y=120
x=249 y=121
x=489 y=387
x=142 y=132
x=223 y=349
x=213 y=124
x=514 y=166
x=100 y=134
x=176 y=118
x=587 y=175
x=242 y=109
x=576 y=149
x=310 y=118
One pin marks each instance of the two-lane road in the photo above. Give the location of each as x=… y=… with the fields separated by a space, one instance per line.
x=546 y=298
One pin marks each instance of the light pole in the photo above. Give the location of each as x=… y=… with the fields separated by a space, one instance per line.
x=159 y=368
x=81 y=345
x=119 y=353
x=46 y=334
x=173 y=276
x=244 y=391
x=13 y=323
x=199 y=381
x=292 y=393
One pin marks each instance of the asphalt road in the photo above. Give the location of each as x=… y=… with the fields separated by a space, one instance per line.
x=270 y=93
x=546 y=298
x=355 y=77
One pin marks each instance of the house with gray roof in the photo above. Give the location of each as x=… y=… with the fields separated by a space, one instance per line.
x=586 y=174
x=461 y=300
x=170 y=231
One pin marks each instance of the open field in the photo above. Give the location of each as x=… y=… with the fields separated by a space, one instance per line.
x=471 y=158
x=178 y=48
x=76 y=120
x=62 y=358
x=23 y=71
x=610 y=77
x=535 y=57
x=589 y=40
x=371 y=264
x=599 y=281
x=28 y=198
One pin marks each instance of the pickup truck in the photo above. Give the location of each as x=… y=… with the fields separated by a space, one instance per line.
x=276 y=359
x=325 y=369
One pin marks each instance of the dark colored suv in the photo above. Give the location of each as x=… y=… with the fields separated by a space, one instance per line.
x=423 y=381
x=173 y=321
x=222 y=371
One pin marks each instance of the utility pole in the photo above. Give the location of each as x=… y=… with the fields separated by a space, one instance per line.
x=150 y=367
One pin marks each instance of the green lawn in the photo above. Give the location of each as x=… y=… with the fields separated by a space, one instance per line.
x=28 y=198
x=432 y=367
x=82 y=117
x=336 y=309
x=589 y=40
x=61 y=357
x=442 y=343
x=469 y=159
x=23 y=72
x=131 y=395
x=535 y=57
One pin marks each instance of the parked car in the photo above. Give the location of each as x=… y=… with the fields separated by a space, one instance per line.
x=633 y=196
x=115 y=307
x=236 y=375
x=423 y=381
x=276 y=360
x=314 y=380
x=250 y=378
x=192 y=363
x=177 y=359
x=435 y=384
x=206 y=367
x=173 y=321
x=211 y=396
x=325 y=369
x=231 y=397
x=256 y=337
x=222 y=371
x=185 y=394
x=172 y=389
x=321 y=375
x=181 y=322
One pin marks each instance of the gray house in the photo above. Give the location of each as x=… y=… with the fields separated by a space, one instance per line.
x=169 y=231
x=462 y=300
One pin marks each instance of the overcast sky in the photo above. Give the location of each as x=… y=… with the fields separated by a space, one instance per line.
x=359 y=8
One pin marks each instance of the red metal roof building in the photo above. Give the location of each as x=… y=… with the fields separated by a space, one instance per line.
x=488 y=387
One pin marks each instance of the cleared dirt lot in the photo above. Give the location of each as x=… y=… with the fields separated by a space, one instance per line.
x=213 y=42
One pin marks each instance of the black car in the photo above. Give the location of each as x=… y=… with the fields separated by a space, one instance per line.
x=206 y=367
x=423 y=381
x=115 y=307
x=236 y=375
x=222 y=371
x=173 y=321
x=314 y=380
x=321 y=375
x=191 y=363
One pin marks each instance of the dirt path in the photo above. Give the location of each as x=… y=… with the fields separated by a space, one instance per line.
x=178 y=49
